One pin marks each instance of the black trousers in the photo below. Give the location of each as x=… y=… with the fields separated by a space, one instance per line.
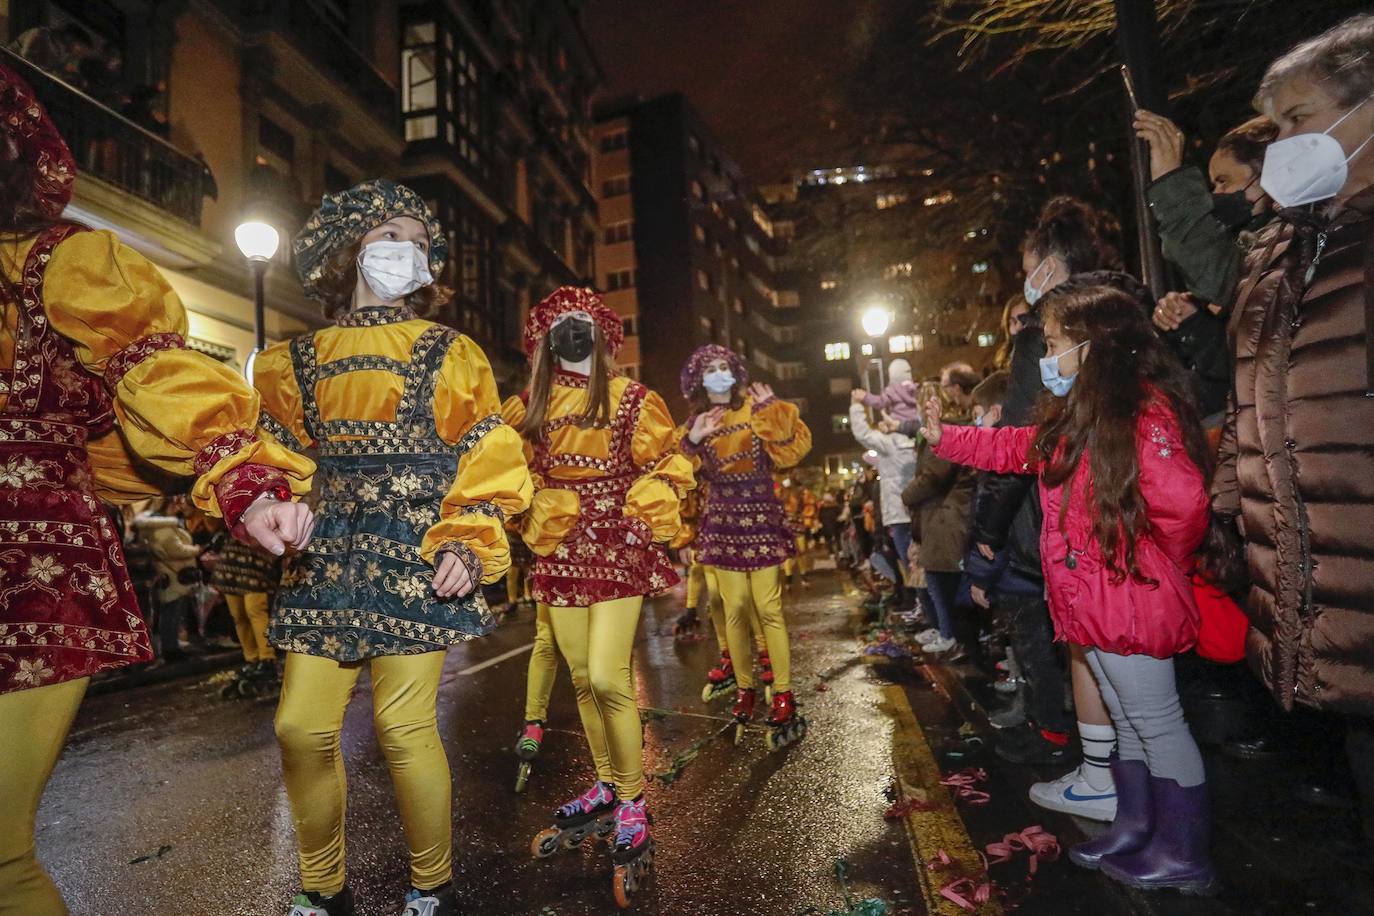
x=1032 y=638
x=1359 y=748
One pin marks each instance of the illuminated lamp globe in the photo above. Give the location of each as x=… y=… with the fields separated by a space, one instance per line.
x=258 y=241
x=876 y=320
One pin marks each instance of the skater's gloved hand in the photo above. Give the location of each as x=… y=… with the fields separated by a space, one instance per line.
x=452 y=579
x=278 y=525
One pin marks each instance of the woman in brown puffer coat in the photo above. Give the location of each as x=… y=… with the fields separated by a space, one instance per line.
x=940 y=498
x=1297 y=453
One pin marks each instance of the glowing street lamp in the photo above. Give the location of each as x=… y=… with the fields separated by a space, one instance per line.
x=876 y=320
x=258 y=242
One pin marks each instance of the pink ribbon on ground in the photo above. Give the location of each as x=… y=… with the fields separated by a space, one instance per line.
x=967 y=894
x=907 y=806
x=1034 y=840
x=963 y=782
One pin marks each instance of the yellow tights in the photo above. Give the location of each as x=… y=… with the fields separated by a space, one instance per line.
x=761 y=590
x=250 y=621
x=34 y=725
x=314 y=697
x=701 y=577
x=543 y=668
x=597 y=643
x=800 y=563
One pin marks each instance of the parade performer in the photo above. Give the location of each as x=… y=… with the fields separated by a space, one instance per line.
x=96 y=376
x=737 y=434
x=247 y=578
x=417 y=474
x=543 y=667
x=608 y=491
x=799 y=506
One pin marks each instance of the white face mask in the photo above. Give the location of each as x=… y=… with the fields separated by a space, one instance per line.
x=1306 y=168
x=719 y=381
x=1033 y=290
x=394 y=270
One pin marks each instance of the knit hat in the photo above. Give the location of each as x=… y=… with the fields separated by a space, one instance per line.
x=695 y=367
x=31 y=136
x=344 y=218
x=567 y=299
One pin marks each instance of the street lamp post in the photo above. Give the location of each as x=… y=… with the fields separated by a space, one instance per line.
x=258 y=241
x=876 y=319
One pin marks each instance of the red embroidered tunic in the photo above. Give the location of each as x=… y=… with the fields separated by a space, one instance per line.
x=93 y=370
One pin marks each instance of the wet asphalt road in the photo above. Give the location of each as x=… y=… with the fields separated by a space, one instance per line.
x=169 y=801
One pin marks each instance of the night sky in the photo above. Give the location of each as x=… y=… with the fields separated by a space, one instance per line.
x=767 y=75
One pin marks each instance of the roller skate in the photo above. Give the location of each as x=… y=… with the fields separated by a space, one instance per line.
x=527 y=748
x=590 y=814
x=254 y=679
x=441 y=901
x=633 y=852
x=743 y=711
x=309 y=903
x=766 y=675
x=720 y=680
x=785 y=724
x=235 y=689
x=687 y=624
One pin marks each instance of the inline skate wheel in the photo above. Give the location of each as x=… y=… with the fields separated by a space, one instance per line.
x=545 y=843
x=768 y=694
x=522 y=777
x=770 y=740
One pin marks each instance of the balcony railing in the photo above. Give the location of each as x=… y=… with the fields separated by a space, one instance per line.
x=321 y=41
x=114 y=149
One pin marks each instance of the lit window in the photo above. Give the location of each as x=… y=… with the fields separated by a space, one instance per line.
x=980 y=267
x=894 y=271
x=829 y=283
x=917 y=342
x=887 y=201
x=700 y=233
x=935 y=200
x=900 y=343
x=841 y=385
x=704 y=280
x=837 y=351
x=866 y=349
x=987 y=339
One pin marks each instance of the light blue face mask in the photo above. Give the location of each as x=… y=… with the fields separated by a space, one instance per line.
x=978 y=420
x=1035 y=291
x=718 y=382
x=1057 y=384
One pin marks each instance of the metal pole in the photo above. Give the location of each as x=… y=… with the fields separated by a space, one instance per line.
x=259 y=304
x=1137 y=32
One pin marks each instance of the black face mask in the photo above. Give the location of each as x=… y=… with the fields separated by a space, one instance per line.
x=1232 y=210
x=572 y=340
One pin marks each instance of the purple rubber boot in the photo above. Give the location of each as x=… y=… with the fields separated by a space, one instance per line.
x=1134 y=821
x=1177 y=856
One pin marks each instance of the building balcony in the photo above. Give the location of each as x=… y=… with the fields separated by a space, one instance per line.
x=110 y=147
x=319 y=40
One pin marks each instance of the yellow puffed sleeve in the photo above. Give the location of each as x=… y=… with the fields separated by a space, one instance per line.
x=493 y=482
x=656 y=498
x=179 y=410
x=779 y=425
x=283 y=412
x=120 y=478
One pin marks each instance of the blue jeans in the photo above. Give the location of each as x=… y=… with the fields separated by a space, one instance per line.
x=943 y=586
x=901 y=540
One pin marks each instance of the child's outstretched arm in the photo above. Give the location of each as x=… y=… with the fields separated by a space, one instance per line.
x=1005 y=450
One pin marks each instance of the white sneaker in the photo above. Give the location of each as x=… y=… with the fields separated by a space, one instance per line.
x=936 y=646
x=1072 y=794
x=927 y=636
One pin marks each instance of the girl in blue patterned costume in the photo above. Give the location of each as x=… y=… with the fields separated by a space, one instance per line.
x=417 y=474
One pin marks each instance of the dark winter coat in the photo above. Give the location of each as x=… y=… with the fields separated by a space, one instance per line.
x=1206 y=252
x=940 y=498
x=1297 y=455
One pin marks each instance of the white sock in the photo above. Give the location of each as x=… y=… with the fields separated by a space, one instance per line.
x=1098 y=743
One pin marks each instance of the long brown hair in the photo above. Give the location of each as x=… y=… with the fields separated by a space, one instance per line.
x=596 y=410
x=1002 y=358
x=1127 y=366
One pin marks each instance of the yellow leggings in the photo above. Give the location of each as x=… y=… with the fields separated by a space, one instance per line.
x=597 y=643
x=517 y=583
x=760 y=589
x=543 y=667
x=250 y=621
x=699 y=577
x=34 y=725
x=314 y=697
x=801 y=562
